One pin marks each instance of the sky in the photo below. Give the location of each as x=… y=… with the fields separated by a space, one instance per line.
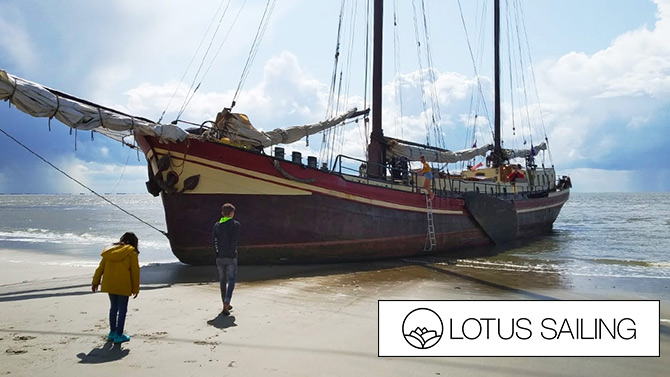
x=602 y=74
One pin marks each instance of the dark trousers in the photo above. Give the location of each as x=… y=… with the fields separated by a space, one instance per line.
x=117 y=312
x=227 y=273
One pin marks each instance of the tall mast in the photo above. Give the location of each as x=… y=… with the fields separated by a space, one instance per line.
x=497 y=151
x=376 y=149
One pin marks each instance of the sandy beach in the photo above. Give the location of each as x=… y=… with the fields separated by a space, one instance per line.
x=286 y=321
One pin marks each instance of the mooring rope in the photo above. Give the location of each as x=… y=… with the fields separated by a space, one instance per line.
x=81 y=184
x=289 y=176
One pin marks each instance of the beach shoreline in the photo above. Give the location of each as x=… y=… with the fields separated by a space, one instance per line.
x=287 y=320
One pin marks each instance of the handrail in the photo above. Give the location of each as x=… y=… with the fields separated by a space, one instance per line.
x=441 y=187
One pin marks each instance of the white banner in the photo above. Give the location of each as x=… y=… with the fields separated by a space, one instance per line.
x=519 y=328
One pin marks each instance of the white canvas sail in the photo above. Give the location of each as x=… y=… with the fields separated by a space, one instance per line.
x=40 y=101
x=398 y=148
x=412 y=151
x=523 y=153
x=240 y=129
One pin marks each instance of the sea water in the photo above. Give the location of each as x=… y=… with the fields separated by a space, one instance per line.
x=611 y=234
x=599 y=235
x=76 y=228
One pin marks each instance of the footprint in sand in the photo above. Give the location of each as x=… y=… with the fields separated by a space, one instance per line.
x=23 y=338
x=204 y=343
x=11 y=351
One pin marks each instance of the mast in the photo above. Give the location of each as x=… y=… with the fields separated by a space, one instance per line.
x=497 y=151
x=376 y=149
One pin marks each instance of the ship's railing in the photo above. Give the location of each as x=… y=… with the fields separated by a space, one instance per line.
x=351 y=166
x=441 y=185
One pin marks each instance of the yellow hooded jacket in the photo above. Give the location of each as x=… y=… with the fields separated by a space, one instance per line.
x=119 y=270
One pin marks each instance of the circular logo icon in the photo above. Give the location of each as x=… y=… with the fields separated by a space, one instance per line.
x=422 y=328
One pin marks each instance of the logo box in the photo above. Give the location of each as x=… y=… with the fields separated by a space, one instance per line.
x=519 y=328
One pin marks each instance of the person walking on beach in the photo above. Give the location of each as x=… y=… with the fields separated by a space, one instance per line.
x=225 y=237
x=119 y=270
x=427 y=173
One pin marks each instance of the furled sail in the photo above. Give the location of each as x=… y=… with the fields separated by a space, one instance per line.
x=239 y=129
x=40 y=101
x=412 y=151
x=523 y=153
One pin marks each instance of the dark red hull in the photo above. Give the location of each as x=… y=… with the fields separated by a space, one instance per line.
x=293 y=214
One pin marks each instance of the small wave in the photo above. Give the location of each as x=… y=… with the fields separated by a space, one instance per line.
x=618 y=275
x=33 y=235
x=624 y=262
x=41 y=236
x=630 y=270
x=660 y=264
x=509 y=266
x=636 y=219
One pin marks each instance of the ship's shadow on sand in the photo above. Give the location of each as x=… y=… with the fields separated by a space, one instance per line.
x=179 y=273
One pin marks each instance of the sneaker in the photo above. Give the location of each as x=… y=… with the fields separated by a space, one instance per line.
x=111 y=336
x=121 y=338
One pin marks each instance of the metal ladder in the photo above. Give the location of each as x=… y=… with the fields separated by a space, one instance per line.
x=430 y=239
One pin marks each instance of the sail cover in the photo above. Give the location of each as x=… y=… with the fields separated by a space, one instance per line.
x=412 y=151
x=524 y=153
x=40 y=101
x=240 y=129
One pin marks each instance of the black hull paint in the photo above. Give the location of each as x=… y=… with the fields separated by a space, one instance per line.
x=321 y=229
x=314 y=229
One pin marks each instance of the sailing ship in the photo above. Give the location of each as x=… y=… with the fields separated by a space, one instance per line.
x=296 y=212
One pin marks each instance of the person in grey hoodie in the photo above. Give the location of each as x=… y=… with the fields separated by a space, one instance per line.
x=225 y=237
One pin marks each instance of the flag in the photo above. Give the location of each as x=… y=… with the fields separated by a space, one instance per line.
x=532 y=151
x=479 y=165
x=475 y=144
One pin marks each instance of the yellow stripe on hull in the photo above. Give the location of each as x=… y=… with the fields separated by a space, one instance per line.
x=220 y=178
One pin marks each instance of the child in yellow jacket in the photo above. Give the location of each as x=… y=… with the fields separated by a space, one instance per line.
x=119 y=270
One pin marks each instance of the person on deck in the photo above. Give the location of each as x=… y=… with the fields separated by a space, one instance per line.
x=119 y=270
x=427 y=173
x=225 y=237
x=514 y=175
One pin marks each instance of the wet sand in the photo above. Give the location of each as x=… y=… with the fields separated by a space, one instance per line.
x=286 y=321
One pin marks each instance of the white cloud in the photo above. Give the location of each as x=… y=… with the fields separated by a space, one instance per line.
x=600 y=180
x=597 y=180
x=99 y=176
x=15 y=41
x=620 y=90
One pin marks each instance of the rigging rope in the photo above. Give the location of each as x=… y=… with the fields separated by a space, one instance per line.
x=211 y=63
x=81 y=184
x=333 y=139
x=193 y=59
x=326 y=143
x=122 y=173
x=192 y=91
x=477 y=77
x=436 y=117
x=265 y=20
x=537 y=95
x=398 y=90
